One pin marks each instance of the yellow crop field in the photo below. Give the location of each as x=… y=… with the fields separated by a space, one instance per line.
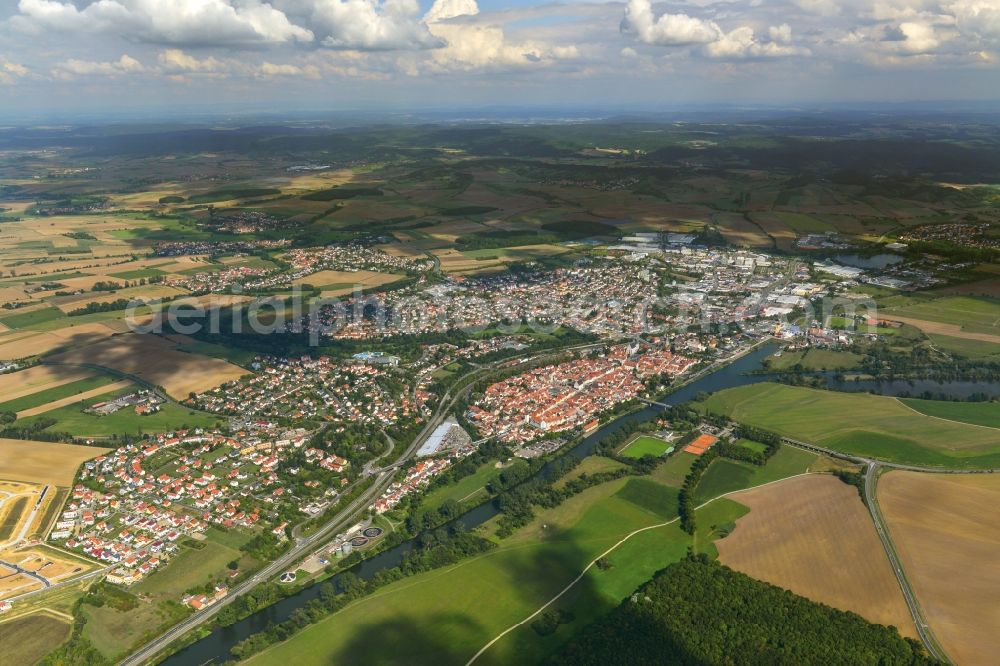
x=157 y=361
x=946 y=529
x=801 y=534
x=43 y=462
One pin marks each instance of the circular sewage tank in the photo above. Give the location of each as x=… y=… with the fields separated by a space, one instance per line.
x=359 y=541
x=373 y=532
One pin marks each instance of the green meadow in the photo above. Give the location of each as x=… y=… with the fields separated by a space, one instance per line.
x=873 y=426
x=978 y=413
x=972 y=313
x=446 y=615
x=72 y=419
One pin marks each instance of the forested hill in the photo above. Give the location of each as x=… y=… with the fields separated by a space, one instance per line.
x=701 y=612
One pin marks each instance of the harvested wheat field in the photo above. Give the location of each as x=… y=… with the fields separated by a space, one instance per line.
x=157 y=361
x=38 y=378
x=812 y=535
x=946 y=529
x=43 y=462
x=361 y=278
x=22 y=344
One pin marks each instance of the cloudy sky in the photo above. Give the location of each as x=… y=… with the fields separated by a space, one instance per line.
x=93 y=55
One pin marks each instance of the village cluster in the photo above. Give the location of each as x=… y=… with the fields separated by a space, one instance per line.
x=556 y=398
x=348 y=258
x=133 y=506
x=363 y=390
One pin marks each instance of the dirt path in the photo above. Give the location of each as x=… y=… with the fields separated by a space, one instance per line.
x=605 y=554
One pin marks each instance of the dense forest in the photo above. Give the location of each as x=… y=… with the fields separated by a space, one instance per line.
x=700 y=612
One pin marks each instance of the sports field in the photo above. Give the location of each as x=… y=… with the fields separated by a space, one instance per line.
x=800 y=533
x=866 y=425
x=946 y=529
x=645 y=446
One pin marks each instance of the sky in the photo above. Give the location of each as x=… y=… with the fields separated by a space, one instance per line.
x=61 y=57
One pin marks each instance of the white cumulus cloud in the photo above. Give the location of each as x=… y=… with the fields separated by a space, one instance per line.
x=181 y=22
x=980 y=18
x=372 y=25
x=73 y=68
x=668 y=29
x=474 y=45
x=917 y=38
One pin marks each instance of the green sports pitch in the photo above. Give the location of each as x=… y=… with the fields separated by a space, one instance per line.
x=645 y=446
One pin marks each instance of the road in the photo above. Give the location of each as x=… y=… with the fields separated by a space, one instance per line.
x=871 y=499
x=302 y=547
x=872 y=470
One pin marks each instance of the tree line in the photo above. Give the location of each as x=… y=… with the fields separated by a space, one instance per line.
x=698 y=611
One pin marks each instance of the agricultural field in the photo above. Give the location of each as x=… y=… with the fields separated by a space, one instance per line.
x=156 y=361
x=947 y=533
x=38 y=378
x=971 y=349
x=973 y=314
x=52 y=393
x=98 y=390
x=43 y=462
x=875 y=426
x=645 y=446
x=443 y=615
x=71 y=417
x=81 y=332
x=986 y=414
x=469 y=489
x=727 y=475
x=592 y=464
x=27 y=639
x=963 y=317
x=802 y=532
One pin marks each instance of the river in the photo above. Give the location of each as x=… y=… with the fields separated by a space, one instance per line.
x=215 y=647
x=954 y=389
x=875 y=261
